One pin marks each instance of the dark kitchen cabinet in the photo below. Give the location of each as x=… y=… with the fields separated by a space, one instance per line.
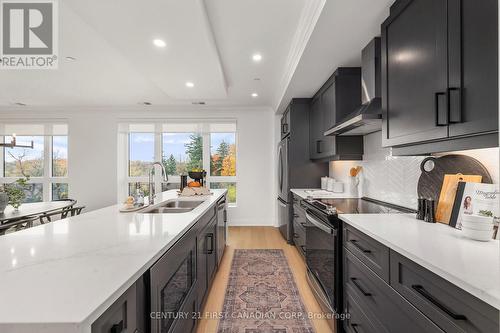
x=221 y=228
x=387 y=292
x=473 y=91
x=126 y=314
x=451 y=308
x=380 y=303
x=299 y=225
x=440 y=73
x=318 y=142
x=207 y=259
x=336 y=99
x=167 y=298
x=210 y=250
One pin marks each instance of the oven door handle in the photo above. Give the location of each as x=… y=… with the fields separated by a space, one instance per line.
x=320 y=225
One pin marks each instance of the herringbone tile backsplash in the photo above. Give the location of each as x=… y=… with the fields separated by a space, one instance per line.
x=394 y=178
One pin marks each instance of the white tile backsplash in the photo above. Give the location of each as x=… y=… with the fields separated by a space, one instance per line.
x=394 y=178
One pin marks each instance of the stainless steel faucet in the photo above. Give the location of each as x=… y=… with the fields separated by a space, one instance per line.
x=152 y=192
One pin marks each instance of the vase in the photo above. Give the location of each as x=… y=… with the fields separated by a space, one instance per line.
x=4 y=200
x=353 y=186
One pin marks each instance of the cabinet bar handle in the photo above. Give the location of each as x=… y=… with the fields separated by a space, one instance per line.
x=441 y=109
x=211 y=250
x=318 y=147
x=356 y=245
x=421 y=290
x=455 y=102
x=355 y=282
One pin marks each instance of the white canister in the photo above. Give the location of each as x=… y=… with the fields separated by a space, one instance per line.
x=330 y=184
x=338 y=187
x=324 y=183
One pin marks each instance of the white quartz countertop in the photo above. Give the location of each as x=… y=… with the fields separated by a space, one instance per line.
x=61 y=276
x=471 y=265
x=320 y=194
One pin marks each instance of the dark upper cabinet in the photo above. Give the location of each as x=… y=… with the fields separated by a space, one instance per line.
x=439 y=72
x=328 y=106
x=316 y=140
x=337 y=98
x=473 y=40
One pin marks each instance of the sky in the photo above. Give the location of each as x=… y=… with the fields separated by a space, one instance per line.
x=60 y=145
x=142 y=144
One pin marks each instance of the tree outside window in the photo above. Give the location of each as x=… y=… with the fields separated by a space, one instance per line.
x=223 y=154
x=182 y=152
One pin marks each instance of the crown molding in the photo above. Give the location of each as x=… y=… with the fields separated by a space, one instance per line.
x=138 y=111
x=308 y=19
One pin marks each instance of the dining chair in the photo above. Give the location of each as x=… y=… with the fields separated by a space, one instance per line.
x=16 y=225
x=63 y=213
x=76 y=210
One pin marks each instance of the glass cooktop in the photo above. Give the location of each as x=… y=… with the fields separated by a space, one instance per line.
x=359 y=206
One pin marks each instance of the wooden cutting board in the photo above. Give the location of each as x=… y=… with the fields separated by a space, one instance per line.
x=448 y=193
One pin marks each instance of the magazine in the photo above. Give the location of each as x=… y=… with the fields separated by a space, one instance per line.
x=475 y=199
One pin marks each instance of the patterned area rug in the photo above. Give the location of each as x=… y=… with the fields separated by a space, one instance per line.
x=262 y=296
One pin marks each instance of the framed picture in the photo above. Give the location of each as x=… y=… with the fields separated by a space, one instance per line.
x=475 y=199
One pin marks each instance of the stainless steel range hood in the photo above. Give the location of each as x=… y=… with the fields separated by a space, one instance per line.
x=368 y=117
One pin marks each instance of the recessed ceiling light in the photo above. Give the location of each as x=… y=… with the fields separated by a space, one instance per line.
x=257 y=57
x=255 y=95
x=70 y=58
x=257 y=79
x=189 y=84
x=19 y=104
x=145 y=103
x=198 y=103
x=159 y=42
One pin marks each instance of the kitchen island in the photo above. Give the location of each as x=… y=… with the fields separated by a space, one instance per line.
x=62 y=276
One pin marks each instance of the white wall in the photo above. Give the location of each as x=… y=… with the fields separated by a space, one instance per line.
x=92 y=155
x=394 y=178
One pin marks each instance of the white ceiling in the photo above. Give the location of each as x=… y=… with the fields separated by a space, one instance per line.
x=209 y=42
x=343 y=29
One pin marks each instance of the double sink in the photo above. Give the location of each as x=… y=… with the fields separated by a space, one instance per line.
x=173 y=206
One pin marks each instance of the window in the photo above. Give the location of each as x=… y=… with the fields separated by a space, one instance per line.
x=46 y=164
x=182 y=152
x=60 y=156
x=141 y=153
x=181 y=147
x=222 y=154
x=22 y=162
x=231 y=190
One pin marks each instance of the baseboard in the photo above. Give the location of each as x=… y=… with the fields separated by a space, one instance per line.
x=252 y=223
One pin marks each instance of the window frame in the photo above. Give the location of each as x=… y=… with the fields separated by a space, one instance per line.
x=158 y=150
x=47 y=179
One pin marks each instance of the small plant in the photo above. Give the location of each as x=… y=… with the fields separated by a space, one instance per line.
x=15 y=191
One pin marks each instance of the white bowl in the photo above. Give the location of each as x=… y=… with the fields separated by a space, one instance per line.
x=480 y=235
x=477 y=225
x=476 y=219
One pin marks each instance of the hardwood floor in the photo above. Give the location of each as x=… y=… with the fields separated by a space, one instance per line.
x=258 y=238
